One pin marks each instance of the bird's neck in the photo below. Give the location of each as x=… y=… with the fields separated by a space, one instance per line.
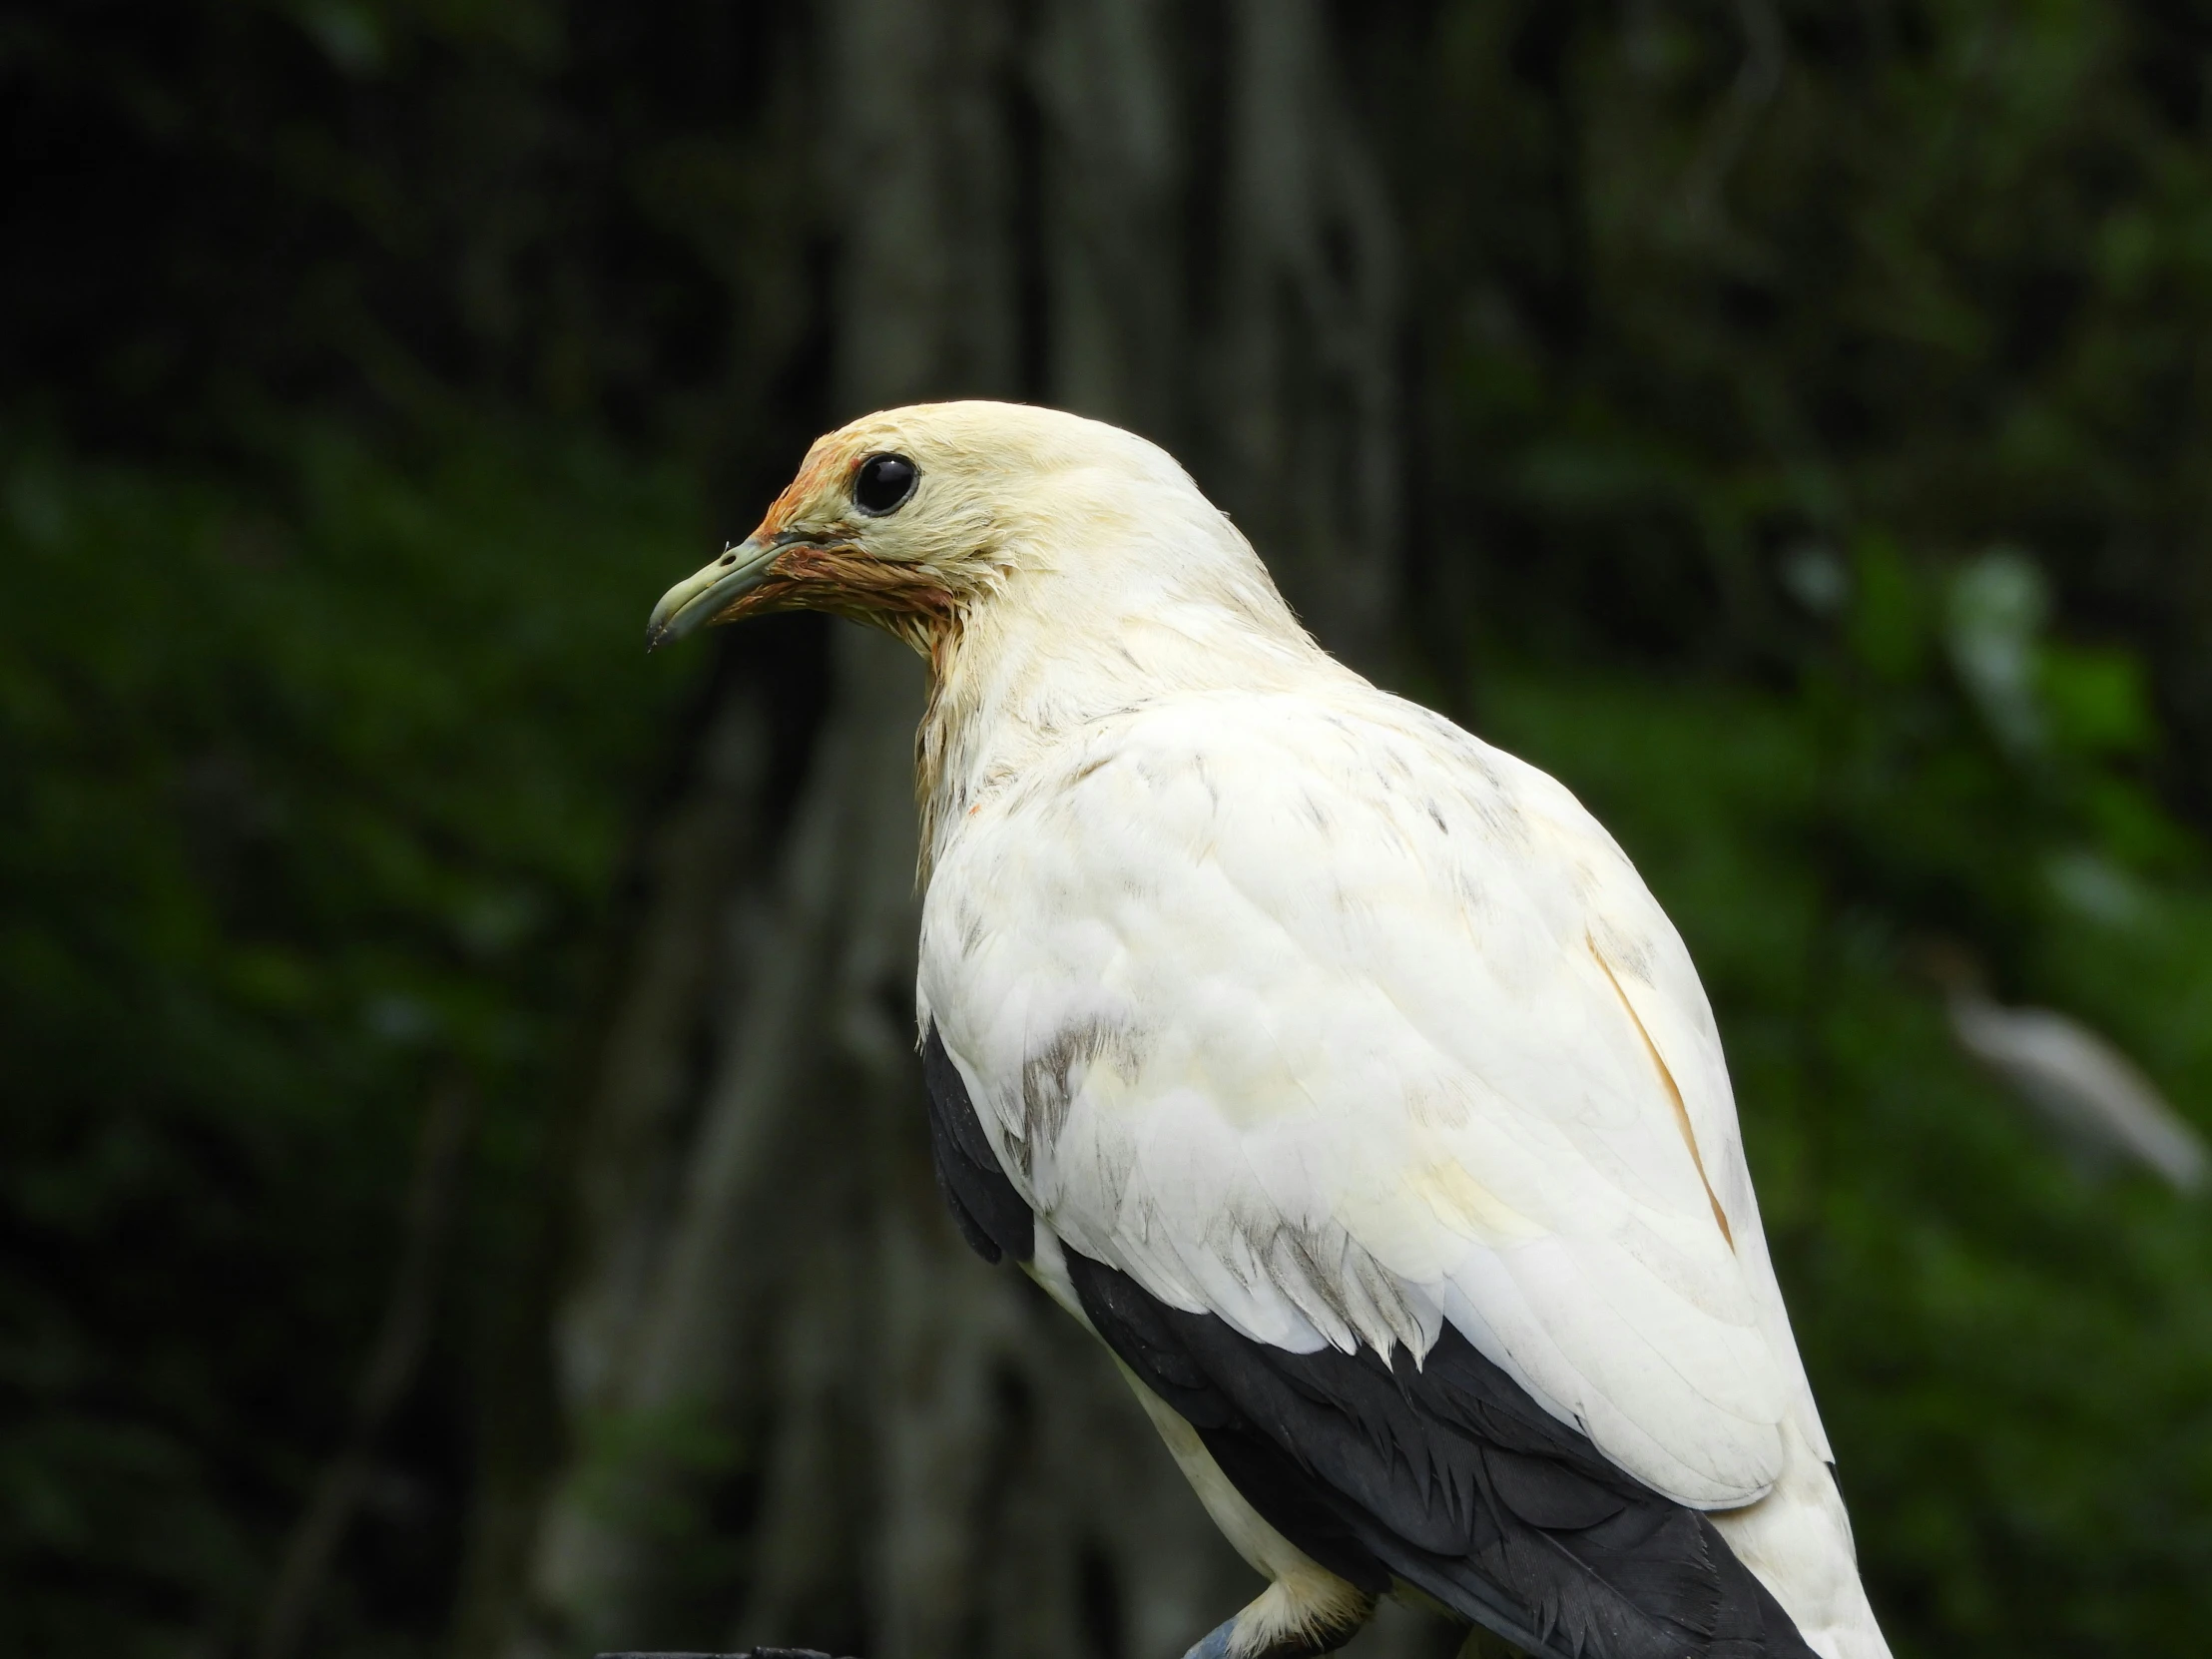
x=1019 y=674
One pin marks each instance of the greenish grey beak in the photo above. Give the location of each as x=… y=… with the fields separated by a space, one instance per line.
x=697 y=600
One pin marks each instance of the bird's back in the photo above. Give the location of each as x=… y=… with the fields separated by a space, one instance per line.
x=1305 y=1010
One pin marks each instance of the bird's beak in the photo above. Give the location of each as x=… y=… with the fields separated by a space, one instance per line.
x=704 y=598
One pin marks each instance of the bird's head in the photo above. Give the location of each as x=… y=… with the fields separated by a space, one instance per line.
x=912 y=518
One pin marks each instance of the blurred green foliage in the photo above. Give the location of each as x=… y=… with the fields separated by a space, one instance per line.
x=1814 y=405
x=314 y=795
x=367 y=366
x=1712 y=286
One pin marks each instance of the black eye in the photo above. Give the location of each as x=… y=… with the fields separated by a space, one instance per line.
x=884 y=483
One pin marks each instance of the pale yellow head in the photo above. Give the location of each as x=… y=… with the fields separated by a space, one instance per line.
x=913 y=518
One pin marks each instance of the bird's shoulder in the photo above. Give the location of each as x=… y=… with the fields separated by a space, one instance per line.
x=1360 y=823
x=1340 y=755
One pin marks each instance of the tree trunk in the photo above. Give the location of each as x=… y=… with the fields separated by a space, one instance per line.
x=794 y=1407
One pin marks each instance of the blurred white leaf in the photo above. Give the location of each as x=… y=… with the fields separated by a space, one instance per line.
x=2087 y=1088
x=1998 y=605
x=1816 y=578
x=2093 y=886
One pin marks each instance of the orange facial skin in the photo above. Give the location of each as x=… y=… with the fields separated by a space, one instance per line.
x=825 y=571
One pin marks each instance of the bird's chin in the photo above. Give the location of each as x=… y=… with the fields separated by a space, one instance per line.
x=768 y=599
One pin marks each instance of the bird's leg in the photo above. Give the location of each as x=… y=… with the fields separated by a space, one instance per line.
x=1299 y=1616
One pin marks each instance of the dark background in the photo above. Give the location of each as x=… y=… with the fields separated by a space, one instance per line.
x=1794 y=423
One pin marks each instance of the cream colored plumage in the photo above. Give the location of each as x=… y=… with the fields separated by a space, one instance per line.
x=1300 y=1008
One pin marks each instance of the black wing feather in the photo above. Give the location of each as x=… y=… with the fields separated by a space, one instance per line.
x=991 y=1216
x=1449 y=1477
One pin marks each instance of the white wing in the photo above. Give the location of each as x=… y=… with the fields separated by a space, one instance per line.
x=1319 y=1014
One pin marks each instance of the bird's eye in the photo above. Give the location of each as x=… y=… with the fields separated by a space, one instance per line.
x=884 y=483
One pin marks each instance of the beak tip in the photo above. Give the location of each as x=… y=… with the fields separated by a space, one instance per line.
x=698 y=600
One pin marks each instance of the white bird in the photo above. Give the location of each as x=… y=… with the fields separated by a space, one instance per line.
x=1333 y=1067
